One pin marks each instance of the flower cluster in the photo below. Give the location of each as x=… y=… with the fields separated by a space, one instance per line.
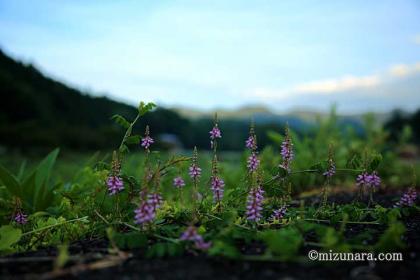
x=146 y=141
x=408 y=198
x=155 y=200
x=253 y=162
x=191 y=234
x=215 y=133
x=115 y=184
x=331 y=170
x=21 y=218
x=217 y=186
x=368 y=180
x=147 y=209
x=251 y=143
x=195 y=170
x=287 y=150
x=254 y=204
x=278 y=214
x=179 y=182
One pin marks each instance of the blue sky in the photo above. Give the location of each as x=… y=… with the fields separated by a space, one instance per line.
x=362 y=55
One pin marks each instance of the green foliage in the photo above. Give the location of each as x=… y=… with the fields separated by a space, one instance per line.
x=130 y=240
x=121 y=121
x=35 y=189
x=224 y=249
x=391 y=239
x=80 y=206
x=8 y=237
x=145 y=108
x=331 y=239
x=284 y=243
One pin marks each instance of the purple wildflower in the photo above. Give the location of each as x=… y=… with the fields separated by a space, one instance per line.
x=250 y=143
x=287 y=151
x=330 y=172
x=195 y=171
x=215 y=133
x=408 y=198
x=21 y=218
x=253 y=162
x=363 y=179
x=278 y=214
x=254 y=204
x=375 y=180
x=145 y=213
x=191 y=234
x=155 y=200
x=146 y=142
x=178 y=182
x=368 y=180
x=217 y=186
x=115 y=184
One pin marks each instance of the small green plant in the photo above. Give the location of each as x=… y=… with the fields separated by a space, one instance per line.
x=34 y=189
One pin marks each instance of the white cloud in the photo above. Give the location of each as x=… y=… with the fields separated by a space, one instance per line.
x=337 y=86
x=403 y=70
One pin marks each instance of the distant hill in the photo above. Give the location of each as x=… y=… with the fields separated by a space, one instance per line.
x=37 y=111
x=262 y=114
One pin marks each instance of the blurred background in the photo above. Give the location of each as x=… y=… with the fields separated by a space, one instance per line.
x=332 y=70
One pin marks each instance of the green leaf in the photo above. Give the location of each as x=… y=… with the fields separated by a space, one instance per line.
x=124 y=149
x=355 y=162
x=284 y=242
x=320 y=167
x=10 y=182
x=21 y=170
x=28 y=188
x=144 y=108
x=375 y=161
x=135 y=139
x=276 y=137
x=42 y=195
x=9 y=236
x=121 y=121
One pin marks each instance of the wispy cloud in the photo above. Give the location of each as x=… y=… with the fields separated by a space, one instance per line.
x=403 y=70
x=335 y=86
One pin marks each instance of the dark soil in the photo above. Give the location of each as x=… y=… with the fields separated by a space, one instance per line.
x=90 y=260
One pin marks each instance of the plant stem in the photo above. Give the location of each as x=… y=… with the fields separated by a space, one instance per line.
x=51 y=226
x=347 y=222
x=128 y=132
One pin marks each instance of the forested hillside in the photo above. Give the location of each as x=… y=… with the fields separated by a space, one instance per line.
x=37 y=111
